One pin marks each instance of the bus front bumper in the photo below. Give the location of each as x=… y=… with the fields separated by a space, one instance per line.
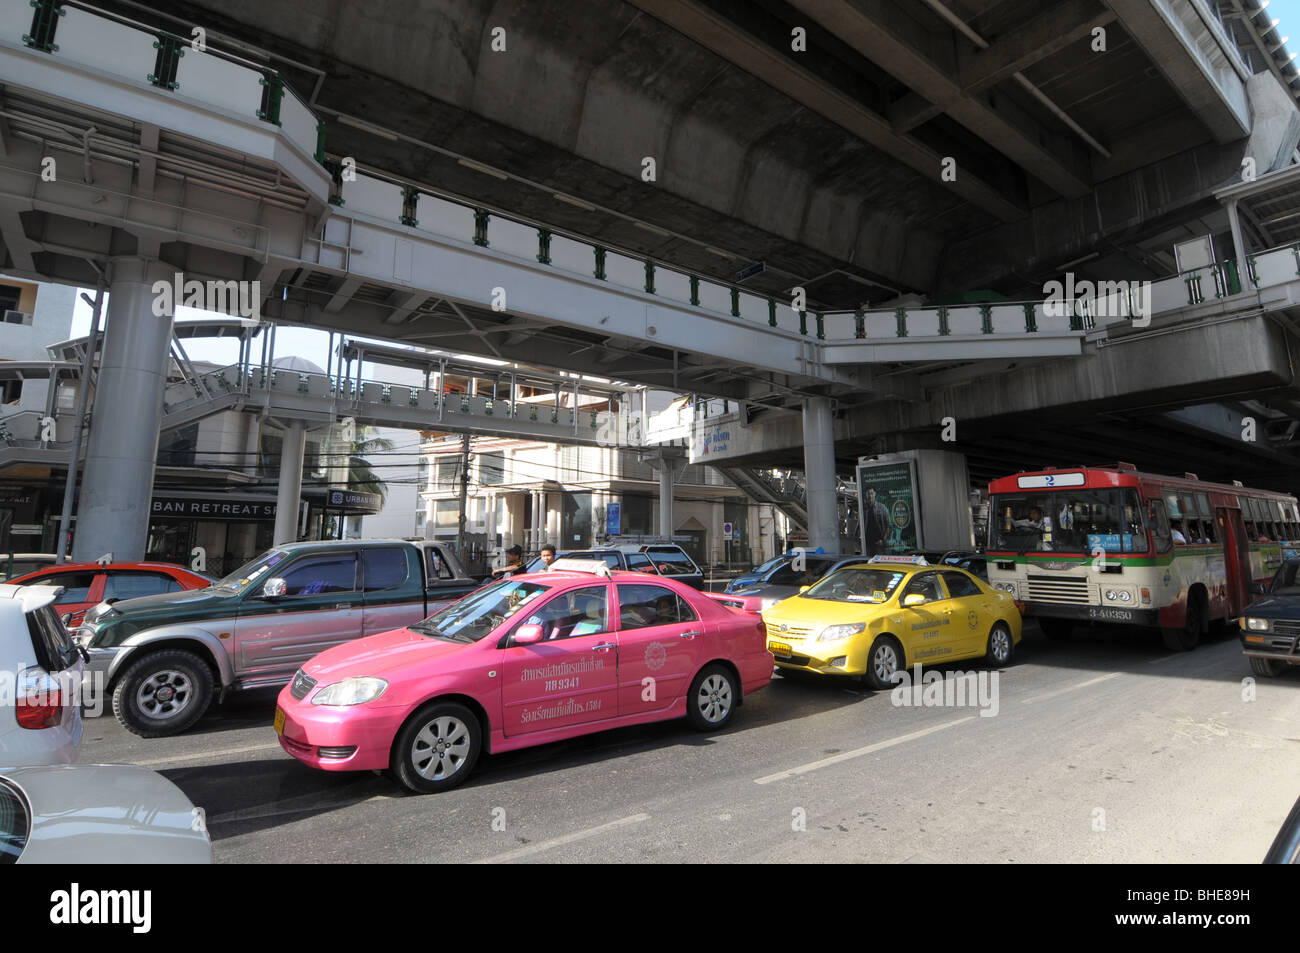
x=1122 y=615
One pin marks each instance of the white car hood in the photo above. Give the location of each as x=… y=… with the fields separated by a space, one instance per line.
x=108 y=814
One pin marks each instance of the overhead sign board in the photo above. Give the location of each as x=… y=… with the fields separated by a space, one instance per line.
x=1050 y=480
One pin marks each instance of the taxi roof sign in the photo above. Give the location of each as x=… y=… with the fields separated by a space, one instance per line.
x=906 y=560
x=596 y=567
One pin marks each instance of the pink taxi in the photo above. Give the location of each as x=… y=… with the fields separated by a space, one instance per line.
x=525 y=661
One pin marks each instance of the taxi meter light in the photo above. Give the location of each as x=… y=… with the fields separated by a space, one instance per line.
x=596 y=567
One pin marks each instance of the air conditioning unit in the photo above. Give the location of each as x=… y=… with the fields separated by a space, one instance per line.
x=17 y=317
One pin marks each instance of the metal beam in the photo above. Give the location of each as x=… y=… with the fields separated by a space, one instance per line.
x=1044 y=36
x=757 y=58
x=883 y=33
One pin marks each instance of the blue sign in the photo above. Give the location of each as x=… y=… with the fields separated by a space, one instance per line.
x=613 y=519
x=1110 y=542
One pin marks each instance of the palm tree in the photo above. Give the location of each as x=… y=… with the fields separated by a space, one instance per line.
x=361 y=476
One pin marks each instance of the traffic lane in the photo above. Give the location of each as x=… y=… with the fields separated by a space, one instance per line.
x=1132 y=768
x=241 y=724
x=260 y=789
x=555 y=791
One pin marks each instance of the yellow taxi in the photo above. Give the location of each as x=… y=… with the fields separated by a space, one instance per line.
x=888 y=613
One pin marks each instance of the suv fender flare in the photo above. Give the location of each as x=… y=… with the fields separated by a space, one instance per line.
x=131 y=649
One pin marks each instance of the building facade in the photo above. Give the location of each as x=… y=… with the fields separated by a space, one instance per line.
x=530 y=493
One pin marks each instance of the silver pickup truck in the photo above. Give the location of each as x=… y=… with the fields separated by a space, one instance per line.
x=165 y=657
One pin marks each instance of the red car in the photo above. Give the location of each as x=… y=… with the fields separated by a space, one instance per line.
x=89 y=584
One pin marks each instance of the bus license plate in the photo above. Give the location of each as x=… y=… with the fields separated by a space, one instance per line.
x=1113 y=615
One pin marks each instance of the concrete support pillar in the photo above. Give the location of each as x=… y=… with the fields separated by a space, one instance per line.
x=819 y=474
x=289 y=489
x=113 y=514
x=667 y=465
x=1239 y=254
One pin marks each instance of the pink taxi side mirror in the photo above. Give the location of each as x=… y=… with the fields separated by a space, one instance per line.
x=528 y=634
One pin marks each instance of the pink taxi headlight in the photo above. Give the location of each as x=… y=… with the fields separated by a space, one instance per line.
x=350 y=691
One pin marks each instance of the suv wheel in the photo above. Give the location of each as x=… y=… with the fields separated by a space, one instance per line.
x=163 y=693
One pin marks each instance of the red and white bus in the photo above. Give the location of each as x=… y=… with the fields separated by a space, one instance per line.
x=1110 y=544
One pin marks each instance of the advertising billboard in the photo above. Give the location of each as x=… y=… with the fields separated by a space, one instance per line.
x=889 y=518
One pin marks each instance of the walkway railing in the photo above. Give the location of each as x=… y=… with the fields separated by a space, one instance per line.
x=172 y=65
x=427 y=407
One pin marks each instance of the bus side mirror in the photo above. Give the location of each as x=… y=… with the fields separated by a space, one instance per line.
x=1258 y=589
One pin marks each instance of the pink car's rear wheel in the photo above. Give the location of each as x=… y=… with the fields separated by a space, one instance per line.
x=712 y=697
x=437 y=748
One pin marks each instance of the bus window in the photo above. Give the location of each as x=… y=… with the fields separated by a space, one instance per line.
x=1178 y=532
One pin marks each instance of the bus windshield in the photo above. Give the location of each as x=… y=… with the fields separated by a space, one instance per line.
x=1073 y=521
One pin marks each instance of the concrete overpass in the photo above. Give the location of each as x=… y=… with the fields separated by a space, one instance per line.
x=648 y=186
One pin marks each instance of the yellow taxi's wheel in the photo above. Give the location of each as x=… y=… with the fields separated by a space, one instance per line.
x=1000 y=646
x=884 y=661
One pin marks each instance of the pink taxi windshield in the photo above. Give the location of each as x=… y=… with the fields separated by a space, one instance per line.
x=480 y=612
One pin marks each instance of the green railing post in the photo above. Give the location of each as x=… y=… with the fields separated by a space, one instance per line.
x=272 y=95
x=735 y=302
x=695 y=290
x=335 y=168
x=944 y=330
x=803 y=322
x=1234 y=278
x=649 y=277
x=900 y=316
x=600 y=263
x=859 y=323
x=986 y=319
x=44 y=23
x=821 y=330
x=544 y=246
x=166 y=62
x=481 y=217
x=320 y=141
x=771 y=312
x=410 y=196
x=1031 y=319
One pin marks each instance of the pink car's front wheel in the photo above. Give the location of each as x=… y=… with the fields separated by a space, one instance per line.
x=437 y=748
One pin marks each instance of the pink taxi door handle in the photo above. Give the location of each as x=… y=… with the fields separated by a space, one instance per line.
x=602 y=647
x=689 y=635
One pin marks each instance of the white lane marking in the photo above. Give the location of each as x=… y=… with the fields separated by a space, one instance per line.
x=202 y=756
x=858 y=752
x=560 y=841
x=1069 y=688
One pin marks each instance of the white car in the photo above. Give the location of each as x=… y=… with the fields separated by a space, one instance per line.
x=41 y=673
x=98 y=814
